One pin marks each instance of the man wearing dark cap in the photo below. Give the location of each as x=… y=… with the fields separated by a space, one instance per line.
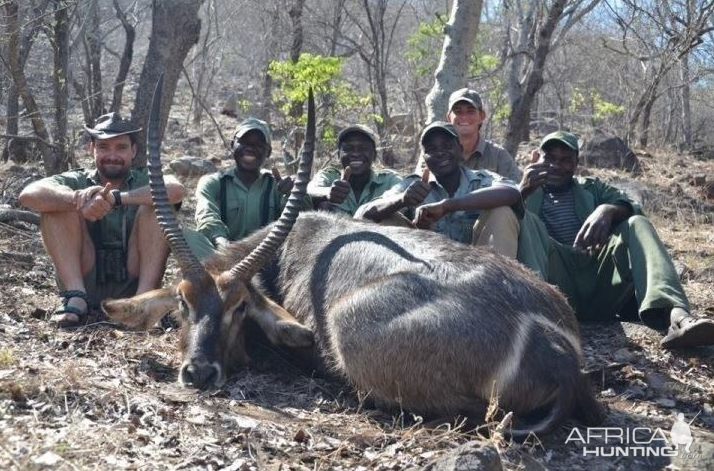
x=99 y=226
x=467 y=115
x=232 y=203
x=358 y=181
x=469 y=206
x=602 y=252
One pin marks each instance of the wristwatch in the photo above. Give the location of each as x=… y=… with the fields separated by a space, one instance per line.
x=117 y=197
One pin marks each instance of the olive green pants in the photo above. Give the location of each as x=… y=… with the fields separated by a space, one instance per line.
x=633 y=262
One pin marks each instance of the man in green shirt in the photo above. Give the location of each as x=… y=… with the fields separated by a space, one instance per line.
x=357 y=182
x=99 y=226
x=469 y=206
x=233 y=203
x=602 y=252
x=467 y=114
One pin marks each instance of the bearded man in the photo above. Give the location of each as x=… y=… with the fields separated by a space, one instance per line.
x=99 y=226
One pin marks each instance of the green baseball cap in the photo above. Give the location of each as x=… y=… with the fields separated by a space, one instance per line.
x=561 y=136
x=357 y=129
x=442 y=126
x=468 y=95
x=111 y=125
x=251 y=124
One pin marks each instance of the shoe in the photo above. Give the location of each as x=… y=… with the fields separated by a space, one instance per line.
x=688 y=332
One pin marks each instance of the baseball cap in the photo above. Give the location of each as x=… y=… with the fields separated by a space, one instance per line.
x=111 y=125
x=561 y=136
x=467 y=95
x=356 y=129
x=251 y=124
x=438 y=126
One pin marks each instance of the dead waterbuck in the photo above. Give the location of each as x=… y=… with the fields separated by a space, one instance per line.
x=415 y=320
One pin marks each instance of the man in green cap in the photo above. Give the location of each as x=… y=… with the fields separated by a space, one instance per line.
x=469 y=206
x=602 y=252
x=99 y=226
x=467 y=114
x=233 y=203
x=357 y=182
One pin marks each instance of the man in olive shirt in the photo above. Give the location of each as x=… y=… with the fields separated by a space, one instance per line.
x=467 y=115
x=469 y=206
x=602 y=252
x=233 y=203
x=357 y=182
x=99 y=226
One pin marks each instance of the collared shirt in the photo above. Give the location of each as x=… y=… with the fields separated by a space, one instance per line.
x=244 y=205
x=110 y=227
x=457 y=225
x=588 y=194
x=494 y=158
x=488 y=156
x=380 y=180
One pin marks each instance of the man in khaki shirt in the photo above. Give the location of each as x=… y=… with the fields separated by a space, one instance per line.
x=467 y=115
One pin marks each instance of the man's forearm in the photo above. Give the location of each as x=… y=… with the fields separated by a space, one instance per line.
x=383 y=207
x=486 y=198
x=47 y=198
x=618 y=212
x=142 y=196
x=319 y=194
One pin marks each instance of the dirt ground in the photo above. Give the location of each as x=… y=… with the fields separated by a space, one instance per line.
x=100 y=397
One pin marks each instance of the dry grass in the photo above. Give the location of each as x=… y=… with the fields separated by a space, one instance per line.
x=99 y=397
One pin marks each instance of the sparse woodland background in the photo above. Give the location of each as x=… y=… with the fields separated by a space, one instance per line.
x=641 y=70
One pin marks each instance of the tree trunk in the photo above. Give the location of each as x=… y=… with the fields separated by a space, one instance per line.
x=175 y=28
x=13 y=96
x=126 y=58
x=518 y=128
x=18 y=77
x=60 y=82
x=272 y=51
x=686 y=103
x=296 y=47
x=450 y=75
x=93 y=50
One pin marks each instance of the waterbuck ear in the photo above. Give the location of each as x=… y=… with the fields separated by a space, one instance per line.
x=143 y=311
x=279 y=325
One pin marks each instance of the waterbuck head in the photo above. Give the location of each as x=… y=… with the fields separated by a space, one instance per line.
x=214 y=302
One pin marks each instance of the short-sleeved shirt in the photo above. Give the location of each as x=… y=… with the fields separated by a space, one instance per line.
x=380 y=180
x=247 y=208
x=495 y=158
x=457 y=225
x=115 y=228
x=587 y=194
x=488 y=156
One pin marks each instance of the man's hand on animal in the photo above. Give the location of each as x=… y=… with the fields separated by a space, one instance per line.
x=340 y=189
x=535 y=175
x=96 y=204
x=428 y=214
x=595 y=230
x=285 y=185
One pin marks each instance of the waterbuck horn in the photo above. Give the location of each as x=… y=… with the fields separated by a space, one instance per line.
x=266 y=250
x=188 y=262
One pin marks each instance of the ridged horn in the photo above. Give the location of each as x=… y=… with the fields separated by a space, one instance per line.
x=268 y=247
x=187 y=261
